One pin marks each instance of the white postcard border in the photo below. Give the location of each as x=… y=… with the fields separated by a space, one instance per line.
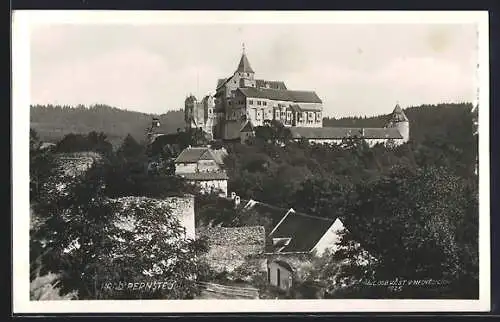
x=21 y=21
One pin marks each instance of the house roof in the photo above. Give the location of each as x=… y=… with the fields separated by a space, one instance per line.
x=194 y=154
x=205 y=176
x=281 y=95
x=244 y=65
x=304 y=230
x=247 y=127
x=342 y=133
x=266 y=210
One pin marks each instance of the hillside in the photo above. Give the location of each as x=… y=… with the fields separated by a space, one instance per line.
x=53 y=122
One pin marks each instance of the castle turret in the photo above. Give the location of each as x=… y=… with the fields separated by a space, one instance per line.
x=245 y=71
x=399 y=120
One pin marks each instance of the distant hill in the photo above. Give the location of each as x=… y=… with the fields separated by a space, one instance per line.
x=52 y=122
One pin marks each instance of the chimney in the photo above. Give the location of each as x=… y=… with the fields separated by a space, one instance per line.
x=236 y=201
x=233 y=195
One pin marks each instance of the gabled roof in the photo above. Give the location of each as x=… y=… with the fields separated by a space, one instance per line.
x=304 y=230
x=266 y=210
x=343 y=133
x=281 y=95
x=194 y=154
x=398 y=115
x=244 y=65
x=247 y=127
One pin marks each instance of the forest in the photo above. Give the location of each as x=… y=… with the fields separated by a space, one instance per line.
x=414 y=207
x=53 y=122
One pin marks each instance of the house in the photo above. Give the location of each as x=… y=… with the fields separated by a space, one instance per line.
x=293 y=239
x=203 y=167
x=322 y=233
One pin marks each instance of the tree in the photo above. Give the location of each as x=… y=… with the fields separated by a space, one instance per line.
x=42 y=166
x=130 y=148
x=93 y=141
x=417 y=226
x=81 y=239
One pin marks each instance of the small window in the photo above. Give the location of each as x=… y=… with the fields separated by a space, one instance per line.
x=259 y=103
x=268 y=275
x=264 y=103
x=278 y=277
x=250 y=102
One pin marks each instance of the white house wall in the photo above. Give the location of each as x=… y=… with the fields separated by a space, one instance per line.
x=330 y=239
x=181 y=168
x=285 y=276
x=207 y=166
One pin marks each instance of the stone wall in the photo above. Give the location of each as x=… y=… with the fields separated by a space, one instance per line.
x=75 y=164
x=181 y=208
x=230 y=247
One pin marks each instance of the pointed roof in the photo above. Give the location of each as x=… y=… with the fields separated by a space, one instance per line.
x=398 y=115
x=244 y=65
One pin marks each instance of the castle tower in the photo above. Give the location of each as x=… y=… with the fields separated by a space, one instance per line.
x=399 y=120
x=193 y=112
x=245 y=71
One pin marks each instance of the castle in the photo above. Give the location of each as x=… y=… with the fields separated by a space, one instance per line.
x=242 y=102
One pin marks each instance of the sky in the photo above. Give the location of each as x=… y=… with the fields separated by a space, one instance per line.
x=356 y=69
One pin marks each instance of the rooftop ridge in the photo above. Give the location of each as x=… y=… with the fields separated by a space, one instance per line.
x=291 y=210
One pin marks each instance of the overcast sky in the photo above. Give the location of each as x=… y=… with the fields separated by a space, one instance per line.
x=355 y=69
